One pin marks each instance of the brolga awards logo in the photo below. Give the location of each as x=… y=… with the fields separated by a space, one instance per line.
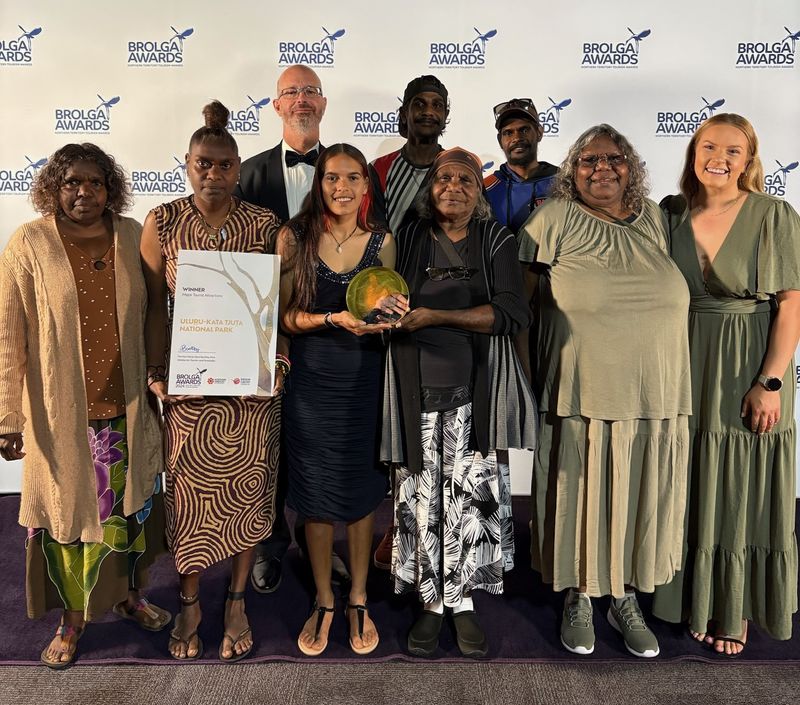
x=316 y=53
x=550 y=119
x=461 y=55
x=247 y=120
x=680 y=123
x=375 y=123
x=159 y=52
x=89 y=121
x=152 y=182
x=614 y=54
x=775 y=183
x=775 y=54
x=18 y=51
x=17 y=181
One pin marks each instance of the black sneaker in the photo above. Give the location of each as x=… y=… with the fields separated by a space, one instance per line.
x=470 y=637
x=423 y=639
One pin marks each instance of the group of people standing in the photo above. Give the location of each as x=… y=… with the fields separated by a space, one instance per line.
x=643 y=352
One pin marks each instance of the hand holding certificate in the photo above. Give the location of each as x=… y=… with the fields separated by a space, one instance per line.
x=225 y=324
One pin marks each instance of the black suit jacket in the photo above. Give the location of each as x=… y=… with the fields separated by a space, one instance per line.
x=261 y=182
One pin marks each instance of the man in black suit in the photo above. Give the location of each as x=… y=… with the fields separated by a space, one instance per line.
x=280 y=179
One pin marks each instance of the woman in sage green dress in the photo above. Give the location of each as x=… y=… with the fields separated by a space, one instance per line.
x=739 y=251
x=612 y=380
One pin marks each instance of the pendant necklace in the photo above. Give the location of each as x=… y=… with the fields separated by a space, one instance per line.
x=726 y=208
x=222 y=230
x=98 y=263
x=339 y=244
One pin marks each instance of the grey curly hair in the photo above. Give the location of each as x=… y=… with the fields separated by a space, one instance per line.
x=638 y=183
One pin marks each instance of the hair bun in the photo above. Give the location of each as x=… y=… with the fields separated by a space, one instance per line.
x=216 y=115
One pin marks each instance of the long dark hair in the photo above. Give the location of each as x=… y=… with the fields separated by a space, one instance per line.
x=313 y=220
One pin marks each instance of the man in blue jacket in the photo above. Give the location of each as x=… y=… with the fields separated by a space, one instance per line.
x=522 y=183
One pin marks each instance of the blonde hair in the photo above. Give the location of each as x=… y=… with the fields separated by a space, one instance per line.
x=751 y=179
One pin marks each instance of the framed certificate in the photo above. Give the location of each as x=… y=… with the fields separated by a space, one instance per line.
x=225 y=323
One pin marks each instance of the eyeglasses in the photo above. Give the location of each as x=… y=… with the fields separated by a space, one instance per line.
x=522 y=103
x=437 y=274
x=294 y=91
x=592 y=160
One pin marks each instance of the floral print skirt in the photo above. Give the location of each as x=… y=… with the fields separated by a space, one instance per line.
x=93 y=577
x=453 y=530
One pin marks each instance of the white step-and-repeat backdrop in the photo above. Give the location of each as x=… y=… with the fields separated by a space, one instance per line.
x=133 y=77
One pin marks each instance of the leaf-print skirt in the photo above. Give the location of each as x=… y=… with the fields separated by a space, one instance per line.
x=92 y=577
x=453 y=528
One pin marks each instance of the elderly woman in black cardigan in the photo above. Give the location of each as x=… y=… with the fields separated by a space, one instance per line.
x=455 y=394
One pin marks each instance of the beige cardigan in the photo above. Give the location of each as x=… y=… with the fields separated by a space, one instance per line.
x=41 y=378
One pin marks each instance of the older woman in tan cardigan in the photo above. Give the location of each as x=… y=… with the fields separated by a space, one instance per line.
x=73 y=400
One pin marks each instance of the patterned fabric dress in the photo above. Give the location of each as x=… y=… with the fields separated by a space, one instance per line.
x=222 y=452
x=92 y=577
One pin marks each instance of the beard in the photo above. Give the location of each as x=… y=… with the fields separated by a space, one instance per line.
x=523 y=158
x=304 y=124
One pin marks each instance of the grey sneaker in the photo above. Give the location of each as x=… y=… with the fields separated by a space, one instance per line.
x=629 y=621
x=577 y=630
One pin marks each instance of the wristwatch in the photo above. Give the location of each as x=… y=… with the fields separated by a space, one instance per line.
x=771 y=384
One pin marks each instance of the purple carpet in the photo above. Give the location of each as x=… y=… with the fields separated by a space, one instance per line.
x=522 y=625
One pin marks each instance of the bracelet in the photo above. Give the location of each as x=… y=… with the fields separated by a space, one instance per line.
x=155 y=377
x=287 y=364
x=281 y=365
x=329 y=320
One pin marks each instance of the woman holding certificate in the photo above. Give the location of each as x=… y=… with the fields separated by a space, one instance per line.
x=333 y=395
x=221 y=452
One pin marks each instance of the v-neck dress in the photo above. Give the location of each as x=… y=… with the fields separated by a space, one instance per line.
x=612 y=381
x=331 y=405
x=741 y=554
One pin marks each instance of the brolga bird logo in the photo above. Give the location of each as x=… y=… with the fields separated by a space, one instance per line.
x=27 y=36
x=180 y=36
x=487 y=166
x=106 y=105
x=794 y=36
x=35 y=166
x=181 y=165
x=257 y=104
x=782 y=172
x=483 y=37
x=637 y=37
x=332 y=37
x=711 y=107
x=558 y=107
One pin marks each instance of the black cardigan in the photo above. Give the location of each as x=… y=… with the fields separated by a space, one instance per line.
x=492 y=251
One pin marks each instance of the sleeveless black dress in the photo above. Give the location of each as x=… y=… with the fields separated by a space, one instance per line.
x=331 y=410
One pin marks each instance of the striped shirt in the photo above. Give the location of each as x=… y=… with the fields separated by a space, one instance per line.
x=400 y=181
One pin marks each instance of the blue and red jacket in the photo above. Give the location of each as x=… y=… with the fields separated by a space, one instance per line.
x=513 y=198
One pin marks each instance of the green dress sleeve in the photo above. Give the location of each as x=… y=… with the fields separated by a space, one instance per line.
x=779 y=249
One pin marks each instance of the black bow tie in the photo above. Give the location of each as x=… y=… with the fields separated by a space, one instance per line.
x=293 y=158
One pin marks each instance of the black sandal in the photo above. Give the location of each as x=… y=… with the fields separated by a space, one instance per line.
x=361 y=650
x=321 y=612
x=233 y=596
x=175 y=637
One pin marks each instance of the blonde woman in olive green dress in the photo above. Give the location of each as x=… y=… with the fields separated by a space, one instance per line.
x=739 y=251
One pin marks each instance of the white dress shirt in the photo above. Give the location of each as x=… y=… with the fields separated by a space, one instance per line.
x=297 y=180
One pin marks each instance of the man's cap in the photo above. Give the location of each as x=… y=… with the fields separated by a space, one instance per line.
x=424 y=84
x=515 y=108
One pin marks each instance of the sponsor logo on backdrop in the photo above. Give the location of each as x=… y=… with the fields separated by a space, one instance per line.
x=167 y=51
x=614 y=53
x=87 y=121
x=370 y=122
x=470 y=54
x=17 y=50
x=550 y=119
x=683 y=122
x=774 y=53
x=318 y=53
x=150 y=182
x=17 y=180
x=487 y=167
x=775 y=183
x=247 y=120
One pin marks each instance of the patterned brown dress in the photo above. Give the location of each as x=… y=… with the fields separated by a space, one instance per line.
x=222 y=452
